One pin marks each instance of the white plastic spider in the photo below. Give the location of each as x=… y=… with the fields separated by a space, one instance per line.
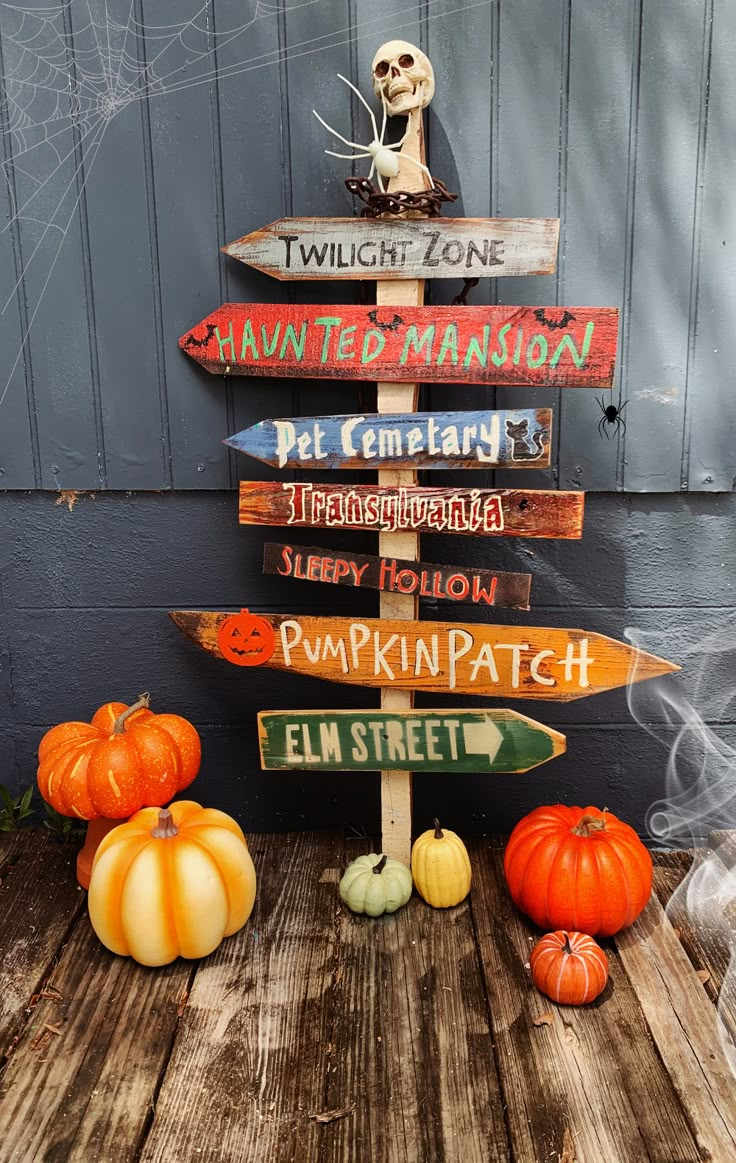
x=385 y=163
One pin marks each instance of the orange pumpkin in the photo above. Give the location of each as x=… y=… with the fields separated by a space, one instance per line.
x=125 y=759
x=171 y=883
x=577 y=868
x=569 y=967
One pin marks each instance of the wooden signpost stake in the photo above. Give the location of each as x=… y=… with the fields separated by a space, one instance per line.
x=400 y=248
x=450 y=583
x=471 y=658
x=397 y=397
x=484 y=742
x=518 y=438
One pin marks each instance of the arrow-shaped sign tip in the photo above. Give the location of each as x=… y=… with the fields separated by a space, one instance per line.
x=482 y=738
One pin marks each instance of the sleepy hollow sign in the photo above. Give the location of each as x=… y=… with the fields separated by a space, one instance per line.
x=573 y=347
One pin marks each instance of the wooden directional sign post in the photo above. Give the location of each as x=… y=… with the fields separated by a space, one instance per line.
x=521 y=662
x=451 y=583
x=505 y=439
x=402 y=342
x=447 y=740
x=401 y=248
x=397 y=343
x=400 y=508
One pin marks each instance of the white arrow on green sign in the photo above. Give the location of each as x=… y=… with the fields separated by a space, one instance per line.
x=424 y=741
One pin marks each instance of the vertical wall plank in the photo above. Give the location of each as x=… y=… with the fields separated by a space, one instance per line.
x=252 y=158
x=121 y=223
x=598 y=207
x=655 y=356
x=50 y=193
x=712 y=461
x=532 y=80
x=18 y=435
x=460 y=124
x=319 y=45
x=189 y=230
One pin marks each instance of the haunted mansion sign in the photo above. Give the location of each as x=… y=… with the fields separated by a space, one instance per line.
x=540 y=346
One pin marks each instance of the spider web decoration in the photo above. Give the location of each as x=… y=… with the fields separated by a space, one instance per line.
x=67 y=71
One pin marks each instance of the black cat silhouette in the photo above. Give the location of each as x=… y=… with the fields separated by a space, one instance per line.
x=518 y=433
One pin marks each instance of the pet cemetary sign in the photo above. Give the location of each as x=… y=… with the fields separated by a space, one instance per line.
x=399 y=242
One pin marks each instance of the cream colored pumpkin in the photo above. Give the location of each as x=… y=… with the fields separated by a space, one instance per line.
x=171 y=883
x=440 y=866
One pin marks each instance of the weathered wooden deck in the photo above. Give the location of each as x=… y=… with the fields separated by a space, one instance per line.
x=315 y=1035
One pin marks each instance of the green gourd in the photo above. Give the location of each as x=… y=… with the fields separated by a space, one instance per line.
x=376 y=884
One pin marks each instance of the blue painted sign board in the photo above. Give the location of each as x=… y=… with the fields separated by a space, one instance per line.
x=517 y=438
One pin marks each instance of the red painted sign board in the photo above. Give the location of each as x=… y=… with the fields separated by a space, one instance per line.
x=538 y=346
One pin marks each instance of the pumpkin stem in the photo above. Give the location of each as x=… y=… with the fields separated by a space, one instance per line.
x=438 y=833
x=589 y=824
x=378 y=868
x=144 y=701
x=567 y=947
x=165 y=829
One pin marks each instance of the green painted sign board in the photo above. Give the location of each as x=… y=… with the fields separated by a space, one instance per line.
x=443 y=741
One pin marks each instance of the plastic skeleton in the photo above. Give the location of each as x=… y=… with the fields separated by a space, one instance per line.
x=385 y=163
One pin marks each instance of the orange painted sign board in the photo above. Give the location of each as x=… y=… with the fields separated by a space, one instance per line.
x=526 y=662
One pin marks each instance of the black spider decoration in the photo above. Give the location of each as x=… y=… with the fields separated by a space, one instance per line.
x=611 y=417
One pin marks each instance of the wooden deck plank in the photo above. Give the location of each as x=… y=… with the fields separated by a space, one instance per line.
x=684 y=1025
x=588 y=1086
x=39 y=902
x=85 y=1094
x=248 y=1065
x=412 y=1047
x=700 y=924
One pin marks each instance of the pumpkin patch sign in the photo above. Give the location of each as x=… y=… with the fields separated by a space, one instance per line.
x=531 y=662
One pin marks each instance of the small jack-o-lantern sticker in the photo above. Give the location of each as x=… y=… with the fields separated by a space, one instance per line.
x=246 y=639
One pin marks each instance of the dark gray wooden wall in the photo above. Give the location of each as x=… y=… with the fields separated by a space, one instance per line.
x=84 y=597
x=133 y=151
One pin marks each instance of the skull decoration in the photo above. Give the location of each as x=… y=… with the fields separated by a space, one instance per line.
x=404 y=76
x=246 y=639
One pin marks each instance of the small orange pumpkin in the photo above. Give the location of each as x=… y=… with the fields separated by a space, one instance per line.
x=125 y=759
x=569 y=967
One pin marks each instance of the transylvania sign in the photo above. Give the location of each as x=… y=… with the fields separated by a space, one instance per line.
x=449 y=740
x=389 y=509
x=451 y=583
x=443 y=248
x=528 y=662
x=505 y=439
x=573 y=347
